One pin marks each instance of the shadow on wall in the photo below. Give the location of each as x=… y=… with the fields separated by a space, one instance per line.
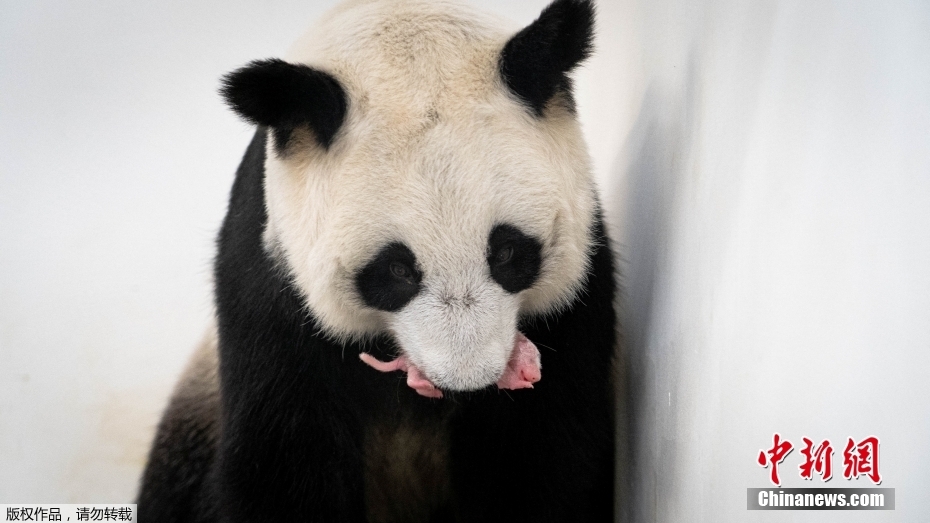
x=641 y=213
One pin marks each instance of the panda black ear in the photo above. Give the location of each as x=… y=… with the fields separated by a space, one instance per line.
x=286 y=96
x=535 y=63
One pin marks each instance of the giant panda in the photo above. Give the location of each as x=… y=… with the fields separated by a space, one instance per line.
x=413 y=286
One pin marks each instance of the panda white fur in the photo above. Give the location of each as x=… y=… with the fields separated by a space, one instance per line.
x=418 y=199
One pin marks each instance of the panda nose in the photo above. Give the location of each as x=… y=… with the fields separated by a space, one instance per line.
x=464 y=301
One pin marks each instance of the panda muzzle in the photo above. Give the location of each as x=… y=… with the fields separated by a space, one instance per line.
x=522 y=371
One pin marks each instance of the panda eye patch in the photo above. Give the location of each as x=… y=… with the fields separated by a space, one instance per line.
x=514 y=258
x=390 y=279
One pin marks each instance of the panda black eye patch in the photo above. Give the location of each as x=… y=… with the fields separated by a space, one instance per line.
x=514 y=258
x=391 y=279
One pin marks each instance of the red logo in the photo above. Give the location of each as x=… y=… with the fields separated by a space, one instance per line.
x=776 y=455
x=862 y=459
x=859 y=459
x=819 y=460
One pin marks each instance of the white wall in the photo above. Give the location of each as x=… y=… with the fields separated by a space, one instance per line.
x=767 y=172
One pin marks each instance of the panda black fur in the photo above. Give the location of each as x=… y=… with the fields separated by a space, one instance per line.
x=417 y=187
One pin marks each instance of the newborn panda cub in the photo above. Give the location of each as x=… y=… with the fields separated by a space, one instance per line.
x=414 y=290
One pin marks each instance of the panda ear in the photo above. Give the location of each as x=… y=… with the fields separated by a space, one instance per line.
x=535 y=63
x=285 y=96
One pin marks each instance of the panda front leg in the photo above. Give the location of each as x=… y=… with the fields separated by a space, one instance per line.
x=291 y=439
x=517 y=462
x=281 y=464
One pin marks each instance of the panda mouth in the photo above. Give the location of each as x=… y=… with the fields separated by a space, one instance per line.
x=522 y=371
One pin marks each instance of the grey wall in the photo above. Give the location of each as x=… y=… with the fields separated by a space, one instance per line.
x=772 y=199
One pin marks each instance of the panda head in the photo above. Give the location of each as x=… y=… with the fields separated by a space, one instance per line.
x=426 y=176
